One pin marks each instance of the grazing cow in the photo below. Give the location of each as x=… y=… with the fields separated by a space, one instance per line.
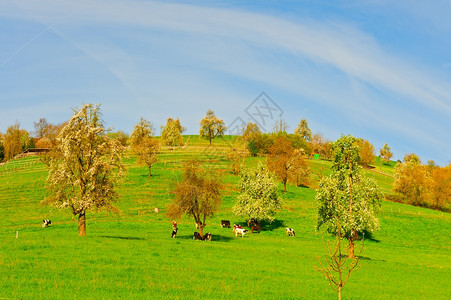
x=207 y=237
x=46 y=223
x=225 y=223
x=290 y=231
x=235 y=226
x=174 y=232
x=257 y=227
x=197 y=236
x=237 y=229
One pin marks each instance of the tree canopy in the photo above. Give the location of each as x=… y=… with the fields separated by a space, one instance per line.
x=145 y=146
x=86 y=166
x=346 y=199
x=198 y=195
x=211 y=127
x=171 y=134
x=303 y=130
x=287 y=163
x=258 y=199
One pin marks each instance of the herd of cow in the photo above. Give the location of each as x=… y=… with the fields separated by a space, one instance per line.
x=237 y=230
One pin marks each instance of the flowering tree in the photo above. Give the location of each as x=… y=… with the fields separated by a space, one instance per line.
x=171 y=134
x=86 y=166
x=258 y=199
x=346 y=197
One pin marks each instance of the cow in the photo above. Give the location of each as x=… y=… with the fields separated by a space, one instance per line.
x=256 y=226
x=290 y=232
x=235 y=226
x=237 y=229
x=225 y=223
x=197 y=236
x=46 y=223
x=207 y=237
x=174 y=232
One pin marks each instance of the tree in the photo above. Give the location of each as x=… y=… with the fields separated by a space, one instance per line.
x=198 y=195
x=441 y=187
x=338 y=269
x=303 y=130
x=236 y=155
x=171 y=134
x=40 y=128
x=258 y=199
x=211 y=127
x=385 y=154
x=86 y=168
x=12 y=141
x=250 y=131
x=413 y=181
x=280 y=127
x=346 y=197
x=366 y=153
x=321 y=146
x=286 y=162
x=2 y=147
x=145 y=146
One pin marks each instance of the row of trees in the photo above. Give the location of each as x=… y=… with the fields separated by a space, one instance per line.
x=422 y=185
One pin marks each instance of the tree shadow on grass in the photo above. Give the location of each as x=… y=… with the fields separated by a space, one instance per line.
x=122 y=237
x=368 y=236
x=214 y=238
x=276 y=224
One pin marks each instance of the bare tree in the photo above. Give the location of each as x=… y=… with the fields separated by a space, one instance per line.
x=338 y=267
x=88 y=166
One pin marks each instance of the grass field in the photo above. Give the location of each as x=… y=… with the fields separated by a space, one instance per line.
x=131 y=255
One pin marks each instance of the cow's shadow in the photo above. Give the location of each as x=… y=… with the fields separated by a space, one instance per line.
x=122 y=237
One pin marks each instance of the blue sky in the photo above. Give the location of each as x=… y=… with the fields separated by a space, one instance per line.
x=380 y=70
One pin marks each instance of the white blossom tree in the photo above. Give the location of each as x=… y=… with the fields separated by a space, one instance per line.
x=86 y=166
x=258 y=199
x=346 y=197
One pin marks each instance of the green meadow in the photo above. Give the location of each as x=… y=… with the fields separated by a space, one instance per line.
x=129 y=254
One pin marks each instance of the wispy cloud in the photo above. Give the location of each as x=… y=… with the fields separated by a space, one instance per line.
x=333 y=63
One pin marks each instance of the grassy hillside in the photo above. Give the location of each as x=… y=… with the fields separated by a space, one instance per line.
x=131 y=254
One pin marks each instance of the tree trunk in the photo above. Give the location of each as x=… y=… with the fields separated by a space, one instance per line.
x=201 y=230
x=284 y=186
x=210 y=142
x=82 y=224
x=150 y=168
x=339 y=293
x=351 y=248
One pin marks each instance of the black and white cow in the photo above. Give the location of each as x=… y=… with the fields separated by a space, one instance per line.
x=174 y=232
x=290 y=231
x=46 y=223
x=225 y=223
x=197 y=236
x=207 y=237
